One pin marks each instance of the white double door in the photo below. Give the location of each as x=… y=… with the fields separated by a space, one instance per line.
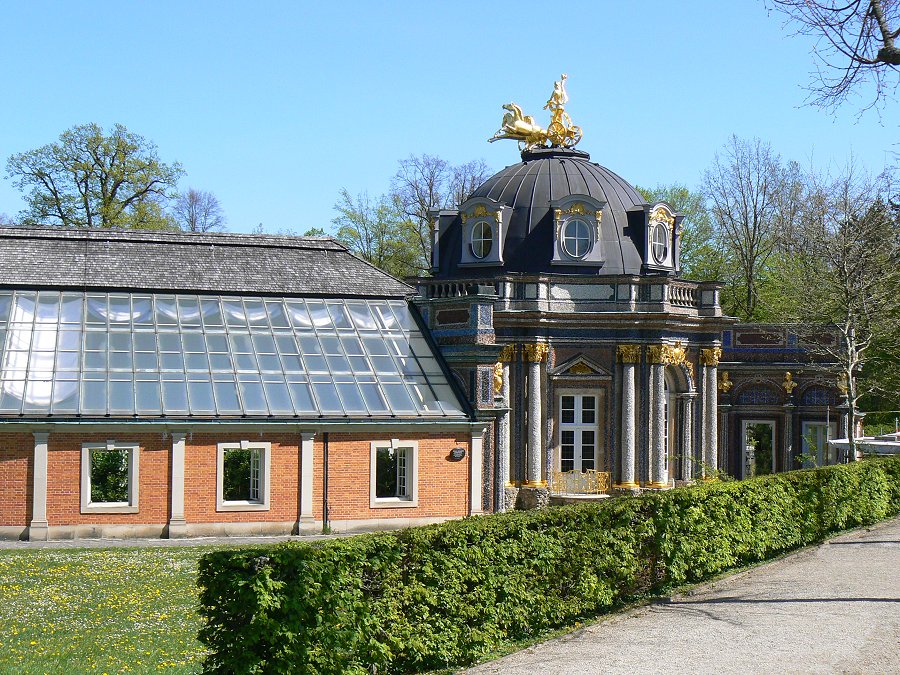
x=578 y=432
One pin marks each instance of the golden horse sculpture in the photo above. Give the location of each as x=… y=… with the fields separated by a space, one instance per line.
x=520 y=127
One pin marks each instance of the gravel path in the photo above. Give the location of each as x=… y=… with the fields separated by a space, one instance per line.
x=834 y=608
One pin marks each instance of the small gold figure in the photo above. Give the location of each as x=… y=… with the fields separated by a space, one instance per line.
x=725 y=383
x=789 y=384
x=498 y=377
x=842 y=383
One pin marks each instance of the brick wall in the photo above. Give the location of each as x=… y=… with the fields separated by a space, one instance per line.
x=200 y=479
x=64 y=479
x=443 y=484
x=16 y=478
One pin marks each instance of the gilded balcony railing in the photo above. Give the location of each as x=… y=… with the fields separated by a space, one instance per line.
x=580 y=482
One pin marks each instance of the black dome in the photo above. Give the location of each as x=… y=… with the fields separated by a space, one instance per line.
x=546 y=175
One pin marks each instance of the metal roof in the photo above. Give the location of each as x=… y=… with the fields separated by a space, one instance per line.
x=548 y=174
x=73 y=258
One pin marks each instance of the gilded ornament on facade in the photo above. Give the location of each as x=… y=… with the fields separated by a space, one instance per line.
x=710 y=356
x=480 y=211
x=661 y=215
x=657 y=354
x=842 y=384
x=498 y=377
x=789 y=384
x=520 y=127
x=671 y=355
x=629 y=353
x=537 y=352
x=581 y=369
x=725 y=383
x=508 y=353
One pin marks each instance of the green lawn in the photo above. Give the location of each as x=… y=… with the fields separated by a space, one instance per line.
x=99 y=610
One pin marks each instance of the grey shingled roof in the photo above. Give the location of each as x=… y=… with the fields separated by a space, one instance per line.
x=179 y=261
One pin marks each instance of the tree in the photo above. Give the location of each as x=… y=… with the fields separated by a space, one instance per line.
x=377 y=233
x=423 y=183
x=198 y=211
x=751 y=198
x=846 y=252
x=857 y=41
x=6 y=220
x=91 y=179
x=702 y=256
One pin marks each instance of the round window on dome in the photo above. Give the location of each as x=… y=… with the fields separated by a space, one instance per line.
x=482 y=239
x=576 y=238
x=659 y=242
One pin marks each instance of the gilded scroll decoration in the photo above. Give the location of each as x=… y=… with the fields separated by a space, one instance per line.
x=480 y=211
x=661 y=215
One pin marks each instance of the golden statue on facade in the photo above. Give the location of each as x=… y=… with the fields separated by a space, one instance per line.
x=520 y=127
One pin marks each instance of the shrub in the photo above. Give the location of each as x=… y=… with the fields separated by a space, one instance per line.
x=441 y=595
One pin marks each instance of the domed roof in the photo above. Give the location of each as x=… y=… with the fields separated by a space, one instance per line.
x=533 y=187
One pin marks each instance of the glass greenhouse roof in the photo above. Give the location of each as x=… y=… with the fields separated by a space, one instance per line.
x=133 y=354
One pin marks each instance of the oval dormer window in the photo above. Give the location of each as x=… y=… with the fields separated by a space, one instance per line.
x=660 y=242
x=576 y=238
x=482 y=239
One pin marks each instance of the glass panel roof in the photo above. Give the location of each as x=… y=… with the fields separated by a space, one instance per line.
x=119 y=354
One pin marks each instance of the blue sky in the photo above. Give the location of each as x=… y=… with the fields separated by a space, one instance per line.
x=274 y=107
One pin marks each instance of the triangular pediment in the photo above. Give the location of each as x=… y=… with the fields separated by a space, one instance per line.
x=580 y=366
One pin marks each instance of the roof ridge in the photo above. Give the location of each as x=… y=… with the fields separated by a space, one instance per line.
x=169 y=237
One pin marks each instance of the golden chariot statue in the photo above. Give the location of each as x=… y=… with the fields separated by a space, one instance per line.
x=520 y=127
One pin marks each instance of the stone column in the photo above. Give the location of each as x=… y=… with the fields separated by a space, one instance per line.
x=307 y=439
x=535 y=355
x=177 y=522
x=709 y=360
x=788 y=437
x=629 y=355
x=476 y=458
x=503 y=477
x=658 y=475
x=39 y=528
x=686 y=402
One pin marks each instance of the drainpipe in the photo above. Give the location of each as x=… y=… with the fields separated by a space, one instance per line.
x=325 y=520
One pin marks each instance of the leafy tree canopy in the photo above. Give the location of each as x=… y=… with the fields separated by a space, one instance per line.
x=93 y=179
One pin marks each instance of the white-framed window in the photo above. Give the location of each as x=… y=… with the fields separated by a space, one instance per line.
x=109 y=477
x=576 y=238
x=394 y=478
x=242 y=476
x=578 y=431
x=659 y=242
x=482 y=239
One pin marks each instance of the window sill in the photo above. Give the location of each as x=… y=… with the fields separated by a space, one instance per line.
x=393 y=503
x=242 y=506
x=110 y=507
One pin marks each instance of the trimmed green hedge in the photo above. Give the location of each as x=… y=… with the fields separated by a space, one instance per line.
x=430 y=597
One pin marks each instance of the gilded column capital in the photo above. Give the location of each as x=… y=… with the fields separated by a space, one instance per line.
x=508 y=353
x=537 y=352
x=658 y=354
x=629 y=353
x=710 y=356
